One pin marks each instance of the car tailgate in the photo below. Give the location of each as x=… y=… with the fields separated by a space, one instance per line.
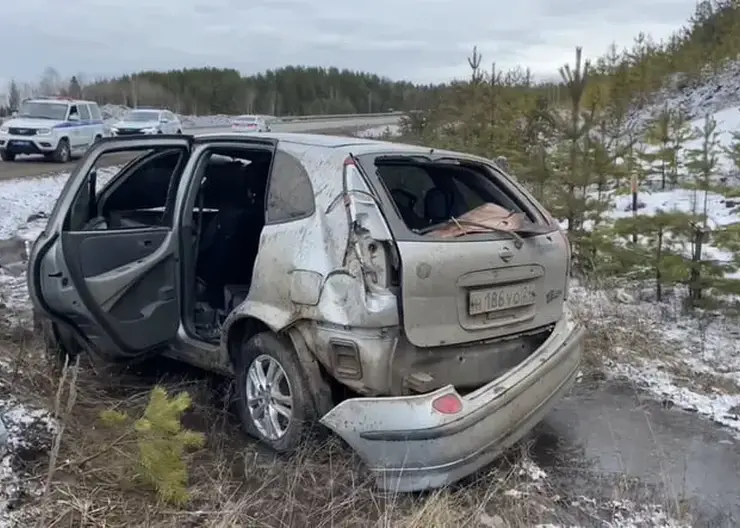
x=461 y=291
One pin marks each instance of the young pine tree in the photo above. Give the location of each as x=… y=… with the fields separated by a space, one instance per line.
x=660 y=153
x=702 y=163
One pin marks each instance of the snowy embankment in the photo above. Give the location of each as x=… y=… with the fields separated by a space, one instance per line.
x=382 y=132
x=698 y=367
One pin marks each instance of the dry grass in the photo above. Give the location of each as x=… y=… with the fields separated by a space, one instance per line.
x=233 y=482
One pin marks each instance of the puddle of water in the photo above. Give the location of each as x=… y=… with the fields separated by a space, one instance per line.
x=608 y=433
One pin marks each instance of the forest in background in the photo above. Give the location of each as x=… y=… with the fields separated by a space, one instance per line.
x=709 y=37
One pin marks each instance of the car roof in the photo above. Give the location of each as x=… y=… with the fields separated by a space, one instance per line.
x=62 y=100
x=349 y=145
x=300 y=138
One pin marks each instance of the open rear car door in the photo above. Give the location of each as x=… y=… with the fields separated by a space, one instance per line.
x=115 y=285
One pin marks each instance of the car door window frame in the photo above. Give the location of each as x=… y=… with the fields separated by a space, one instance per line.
x=84 y=112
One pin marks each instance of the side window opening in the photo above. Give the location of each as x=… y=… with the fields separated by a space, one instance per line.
x=139 y=194
x=290 y=193
x=73 y=110
x=228 y=215
x=95 y=112
x=430 y=193
x=84 y=112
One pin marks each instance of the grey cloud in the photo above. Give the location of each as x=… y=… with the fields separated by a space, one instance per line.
x=419 y=40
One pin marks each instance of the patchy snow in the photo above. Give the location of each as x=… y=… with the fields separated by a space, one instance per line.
x=623 y=514
x=720 y=212
x=534 y=481
x=689 y=361
x=29 y=432
x=26 y=204
x=717 y=91
x=380 y=132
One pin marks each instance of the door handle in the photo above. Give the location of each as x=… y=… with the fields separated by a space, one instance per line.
x=167 y=293
x=145 y=243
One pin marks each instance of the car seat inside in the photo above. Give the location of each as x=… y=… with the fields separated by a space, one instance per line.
x=229 y=217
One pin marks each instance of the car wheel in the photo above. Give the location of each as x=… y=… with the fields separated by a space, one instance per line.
x=6 y=156
x=273 y=396
x=62 y=153
x=98 y=138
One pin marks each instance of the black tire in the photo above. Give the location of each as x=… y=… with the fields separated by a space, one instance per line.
x=179 y=131
x=62 y=154
x=97 y=138
x=7 y=156
x=303 y=422
x=160 y=132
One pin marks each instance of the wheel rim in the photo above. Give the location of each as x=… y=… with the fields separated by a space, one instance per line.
x=65 y=152
x=269 y=397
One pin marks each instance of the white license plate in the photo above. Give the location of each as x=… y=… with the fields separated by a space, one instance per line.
x=503 y=298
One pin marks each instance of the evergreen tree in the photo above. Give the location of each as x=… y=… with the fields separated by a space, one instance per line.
x=14 y=96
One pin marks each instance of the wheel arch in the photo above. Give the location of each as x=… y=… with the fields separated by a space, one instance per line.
x=247 y=326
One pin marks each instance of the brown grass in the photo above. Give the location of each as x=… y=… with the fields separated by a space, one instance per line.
x=233 y=482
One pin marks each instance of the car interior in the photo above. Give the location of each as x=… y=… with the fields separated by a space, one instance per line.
x=228 y=218
x=429 y=193
x=220 y=244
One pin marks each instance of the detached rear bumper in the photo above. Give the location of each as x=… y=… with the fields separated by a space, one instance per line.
x=410 y=446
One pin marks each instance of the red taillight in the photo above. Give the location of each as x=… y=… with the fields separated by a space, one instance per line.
x=447 y=404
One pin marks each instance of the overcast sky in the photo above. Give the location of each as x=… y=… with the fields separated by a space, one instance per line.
x=417 y=40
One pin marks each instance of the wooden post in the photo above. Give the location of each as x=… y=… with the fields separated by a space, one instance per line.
x=695 y=274
x=634 y=204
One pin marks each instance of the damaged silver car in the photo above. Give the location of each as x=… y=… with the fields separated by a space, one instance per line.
x=425 y=287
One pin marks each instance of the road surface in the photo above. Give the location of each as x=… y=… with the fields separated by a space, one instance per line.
x=36 y=166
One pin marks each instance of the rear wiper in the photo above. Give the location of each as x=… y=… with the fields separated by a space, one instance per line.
x=519 y=241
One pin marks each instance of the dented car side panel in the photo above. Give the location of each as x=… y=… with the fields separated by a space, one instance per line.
x=311 y=273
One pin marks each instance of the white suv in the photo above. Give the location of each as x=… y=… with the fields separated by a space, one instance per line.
x=56 y=127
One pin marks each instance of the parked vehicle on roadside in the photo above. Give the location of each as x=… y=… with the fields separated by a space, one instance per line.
x=147 y=121
x=427 y=284
x=250 y=123
x=58 y=128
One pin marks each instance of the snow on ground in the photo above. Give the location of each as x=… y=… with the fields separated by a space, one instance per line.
x=380 y=132
x=27 y=432
x=691 y=362
x=717 y=91
x=691 y=352
x=26 y=204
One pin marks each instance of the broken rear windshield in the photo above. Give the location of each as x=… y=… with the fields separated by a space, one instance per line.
x=428 y=193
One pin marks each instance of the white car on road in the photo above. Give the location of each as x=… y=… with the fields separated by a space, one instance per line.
x=147 y=121
x=250 y=123
x=56 y=127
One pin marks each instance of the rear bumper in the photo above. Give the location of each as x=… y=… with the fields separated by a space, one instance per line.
x=409 y=446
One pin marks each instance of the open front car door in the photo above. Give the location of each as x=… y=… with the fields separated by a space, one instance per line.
x=106 y=266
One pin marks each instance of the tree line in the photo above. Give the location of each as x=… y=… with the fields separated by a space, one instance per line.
x=581 y=149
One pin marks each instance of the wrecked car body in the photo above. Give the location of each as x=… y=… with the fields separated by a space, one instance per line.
x=426 y=284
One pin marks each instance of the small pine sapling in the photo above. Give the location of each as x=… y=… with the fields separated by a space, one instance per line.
x=162 y=443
